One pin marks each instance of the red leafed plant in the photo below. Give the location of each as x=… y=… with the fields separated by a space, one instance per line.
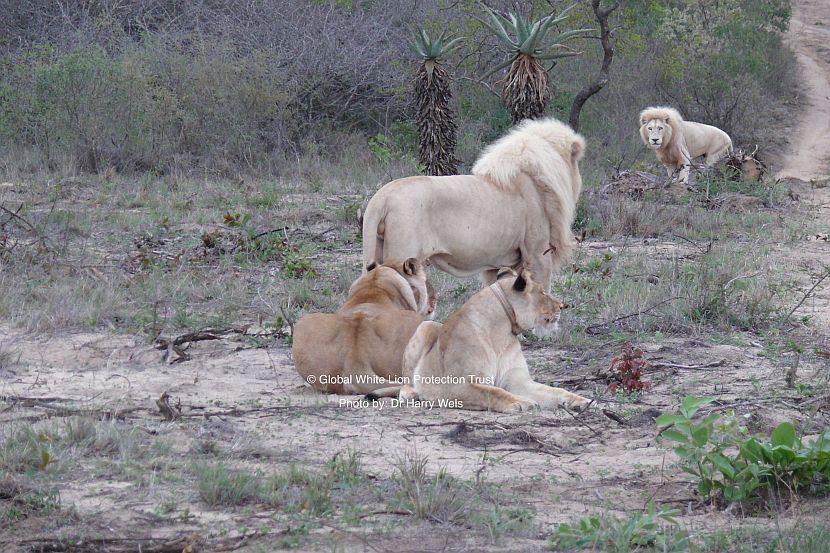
x=627 y=370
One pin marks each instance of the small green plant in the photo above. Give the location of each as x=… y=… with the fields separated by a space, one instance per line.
x=655 y=528
x=236 y=219
x=345 y=467
x=439 y=498
x=296 y=263
x=20 y=502
x=732 y=466
x=298 y=490
x=498 y=521
x=220 y=486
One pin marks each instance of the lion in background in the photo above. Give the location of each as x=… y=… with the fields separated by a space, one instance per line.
x=677 y=142
x=517 y=207
x=355 y=349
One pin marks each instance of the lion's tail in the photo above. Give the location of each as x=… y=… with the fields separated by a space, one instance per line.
x=374 y=227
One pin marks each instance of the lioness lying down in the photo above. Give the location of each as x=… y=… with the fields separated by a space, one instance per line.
x=475 y=356
x=359 y=348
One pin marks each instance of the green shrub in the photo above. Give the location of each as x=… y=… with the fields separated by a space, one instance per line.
x=654 y=528
x=732 y=466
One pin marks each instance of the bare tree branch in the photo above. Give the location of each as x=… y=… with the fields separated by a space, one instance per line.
x=603 y=77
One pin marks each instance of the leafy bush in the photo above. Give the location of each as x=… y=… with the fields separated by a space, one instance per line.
x=732 y=466
x=655 y=528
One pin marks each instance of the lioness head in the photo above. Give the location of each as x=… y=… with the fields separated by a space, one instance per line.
x=414 y=273
x=535 y=309
x=656 y=132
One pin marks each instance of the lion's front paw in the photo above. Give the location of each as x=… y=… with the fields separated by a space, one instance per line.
x=521 y=405
x=576 y=402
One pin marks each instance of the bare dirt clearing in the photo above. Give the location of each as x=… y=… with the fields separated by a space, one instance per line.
x=133 y=478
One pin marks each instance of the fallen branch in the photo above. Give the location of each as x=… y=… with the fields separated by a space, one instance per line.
x=592 y=329
x=199 y=336
x=111 y=545
x=687 y=367
x=614 y=417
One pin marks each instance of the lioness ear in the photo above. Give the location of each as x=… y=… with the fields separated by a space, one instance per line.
x=371 y=266
x=410 y=266
x=520 y=283
x=505 y=271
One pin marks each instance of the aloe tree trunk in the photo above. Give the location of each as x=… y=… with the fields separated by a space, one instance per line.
x=435 y=120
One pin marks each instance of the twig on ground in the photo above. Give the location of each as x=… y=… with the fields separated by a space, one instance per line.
x=658 y=365
x=614 y=417
x=112 y=545
x=39 y=238
x=593 y=329
x=806 y=295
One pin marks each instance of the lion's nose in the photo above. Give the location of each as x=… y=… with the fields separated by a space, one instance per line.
x=654 y=140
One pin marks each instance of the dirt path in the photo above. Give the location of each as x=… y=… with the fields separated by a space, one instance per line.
x=809 y=37
x=808 y=158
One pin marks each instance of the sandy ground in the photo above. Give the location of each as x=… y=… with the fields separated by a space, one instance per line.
x=561 y=466
x=809 y=37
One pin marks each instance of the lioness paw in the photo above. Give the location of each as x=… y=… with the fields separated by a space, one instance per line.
x=521 y=405
x=576 y=402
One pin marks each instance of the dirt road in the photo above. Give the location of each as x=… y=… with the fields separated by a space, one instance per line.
x=809 y=37
x=808 y=158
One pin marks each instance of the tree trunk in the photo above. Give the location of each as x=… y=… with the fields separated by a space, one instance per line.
x=608 y=56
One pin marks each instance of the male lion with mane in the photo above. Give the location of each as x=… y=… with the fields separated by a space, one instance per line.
x=516 y=208
x=360 y=348
x=475 y=361
x=677 y=142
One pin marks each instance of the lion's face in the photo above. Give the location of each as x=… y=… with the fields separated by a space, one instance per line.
x=534 y=307
x=656 y=133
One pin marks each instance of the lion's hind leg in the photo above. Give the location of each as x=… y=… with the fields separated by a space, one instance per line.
x=713 y=156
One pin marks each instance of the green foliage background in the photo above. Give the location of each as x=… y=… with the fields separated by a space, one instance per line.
x=248 y=91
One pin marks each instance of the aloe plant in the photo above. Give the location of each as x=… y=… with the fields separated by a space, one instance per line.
x=435 y=119
x=525 y=90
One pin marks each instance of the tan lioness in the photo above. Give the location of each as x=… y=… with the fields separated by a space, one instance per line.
x=475 y=357
x=360 y=347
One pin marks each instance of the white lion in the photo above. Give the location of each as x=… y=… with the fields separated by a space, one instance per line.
x=677 y=142
x=517 y=207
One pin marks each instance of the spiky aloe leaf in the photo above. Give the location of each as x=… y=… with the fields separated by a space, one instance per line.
x=529 y=44
x=495 y=69
x=574 y=33
x=497 y=28
x=559 y=55
x=427 y=48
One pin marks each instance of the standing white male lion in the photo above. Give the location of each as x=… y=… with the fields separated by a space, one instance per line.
x=517 y=207
x=677 y=142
